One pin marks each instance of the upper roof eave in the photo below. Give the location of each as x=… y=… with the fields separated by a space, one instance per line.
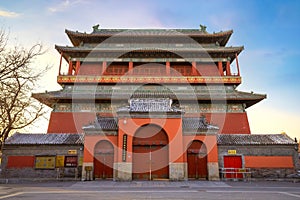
x=67 y=51
x=77 y=37
x=61 y=49
x=51 y=97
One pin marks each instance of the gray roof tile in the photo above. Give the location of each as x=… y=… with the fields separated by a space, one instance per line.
x=197 y=124
x=78 y=139
x=254 y=139
x=47 y=139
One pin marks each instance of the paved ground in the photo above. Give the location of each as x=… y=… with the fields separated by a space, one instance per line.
x=151 y=190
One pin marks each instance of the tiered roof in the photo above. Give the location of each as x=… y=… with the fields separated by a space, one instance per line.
x=156 y=43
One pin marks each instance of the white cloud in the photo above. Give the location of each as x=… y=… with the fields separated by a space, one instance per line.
x=64 y=5
x=4 y=13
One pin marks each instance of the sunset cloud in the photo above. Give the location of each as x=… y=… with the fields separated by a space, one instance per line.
x=64 y=5
x=4 y=13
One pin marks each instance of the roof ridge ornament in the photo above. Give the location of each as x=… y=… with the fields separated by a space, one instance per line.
x=96 y=28
x=203 y=28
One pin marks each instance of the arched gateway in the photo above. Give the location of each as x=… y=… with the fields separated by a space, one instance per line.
x=150 y=153
x=103 y=160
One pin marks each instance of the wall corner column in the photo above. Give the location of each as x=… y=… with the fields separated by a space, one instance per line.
x=212 y=158
x=123 y=165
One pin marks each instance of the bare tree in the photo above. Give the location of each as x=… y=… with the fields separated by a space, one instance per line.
x=17 y=80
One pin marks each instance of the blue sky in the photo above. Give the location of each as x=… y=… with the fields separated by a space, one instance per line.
x=269 y=30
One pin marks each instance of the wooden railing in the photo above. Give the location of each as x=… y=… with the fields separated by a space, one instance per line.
x=150 y=79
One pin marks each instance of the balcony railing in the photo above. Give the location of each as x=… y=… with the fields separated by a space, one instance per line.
x=65 y=79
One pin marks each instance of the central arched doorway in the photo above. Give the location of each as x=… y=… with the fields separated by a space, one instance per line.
x=150 y=153
x=197 y=160
x=103 y=160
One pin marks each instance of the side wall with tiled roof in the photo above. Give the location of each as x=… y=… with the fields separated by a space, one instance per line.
x=18 y=161
x=264 y=161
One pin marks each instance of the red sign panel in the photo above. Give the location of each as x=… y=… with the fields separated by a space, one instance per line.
x=71 y=161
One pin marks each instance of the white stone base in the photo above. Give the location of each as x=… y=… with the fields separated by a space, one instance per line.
x=213 y=171
x=177 y=171
x=186 y=173
x=123 y=171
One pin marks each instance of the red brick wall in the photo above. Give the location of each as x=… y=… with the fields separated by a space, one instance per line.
x=234 y=123
x=229 y=123
x=269 y=162
x=68 y=122
x=20 y=161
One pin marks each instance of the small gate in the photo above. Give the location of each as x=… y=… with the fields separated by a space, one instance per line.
x=197 y=160
x=232 y=164
x=103 y=160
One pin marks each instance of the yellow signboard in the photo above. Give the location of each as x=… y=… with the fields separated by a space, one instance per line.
x=72 y=151
x=80 y=161
x=60 y=161
x=232 y=152
x=45 y=162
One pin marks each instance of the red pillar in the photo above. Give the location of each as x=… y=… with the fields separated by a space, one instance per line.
x=77 y=67
x=60 y=61
x=104 y=65
x=194 y=68
x=130 y=68
x=168 y=68
x=70 y=67
x=228 y=72
x=237 y=64
x=220 y=67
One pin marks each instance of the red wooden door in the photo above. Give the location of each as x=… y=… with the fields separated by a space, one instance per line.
x=103 y=166
x=150 y=153
x=233 y=162
x=159 y=162
x=103 y=160
x=150 y=162
x=197 y=166
x=141 y=162
x=197 y=160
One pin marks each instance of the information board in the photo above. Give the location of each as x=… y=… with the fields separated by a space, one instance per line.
x=71 y=161
x=60 y=161
x=44 y=162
